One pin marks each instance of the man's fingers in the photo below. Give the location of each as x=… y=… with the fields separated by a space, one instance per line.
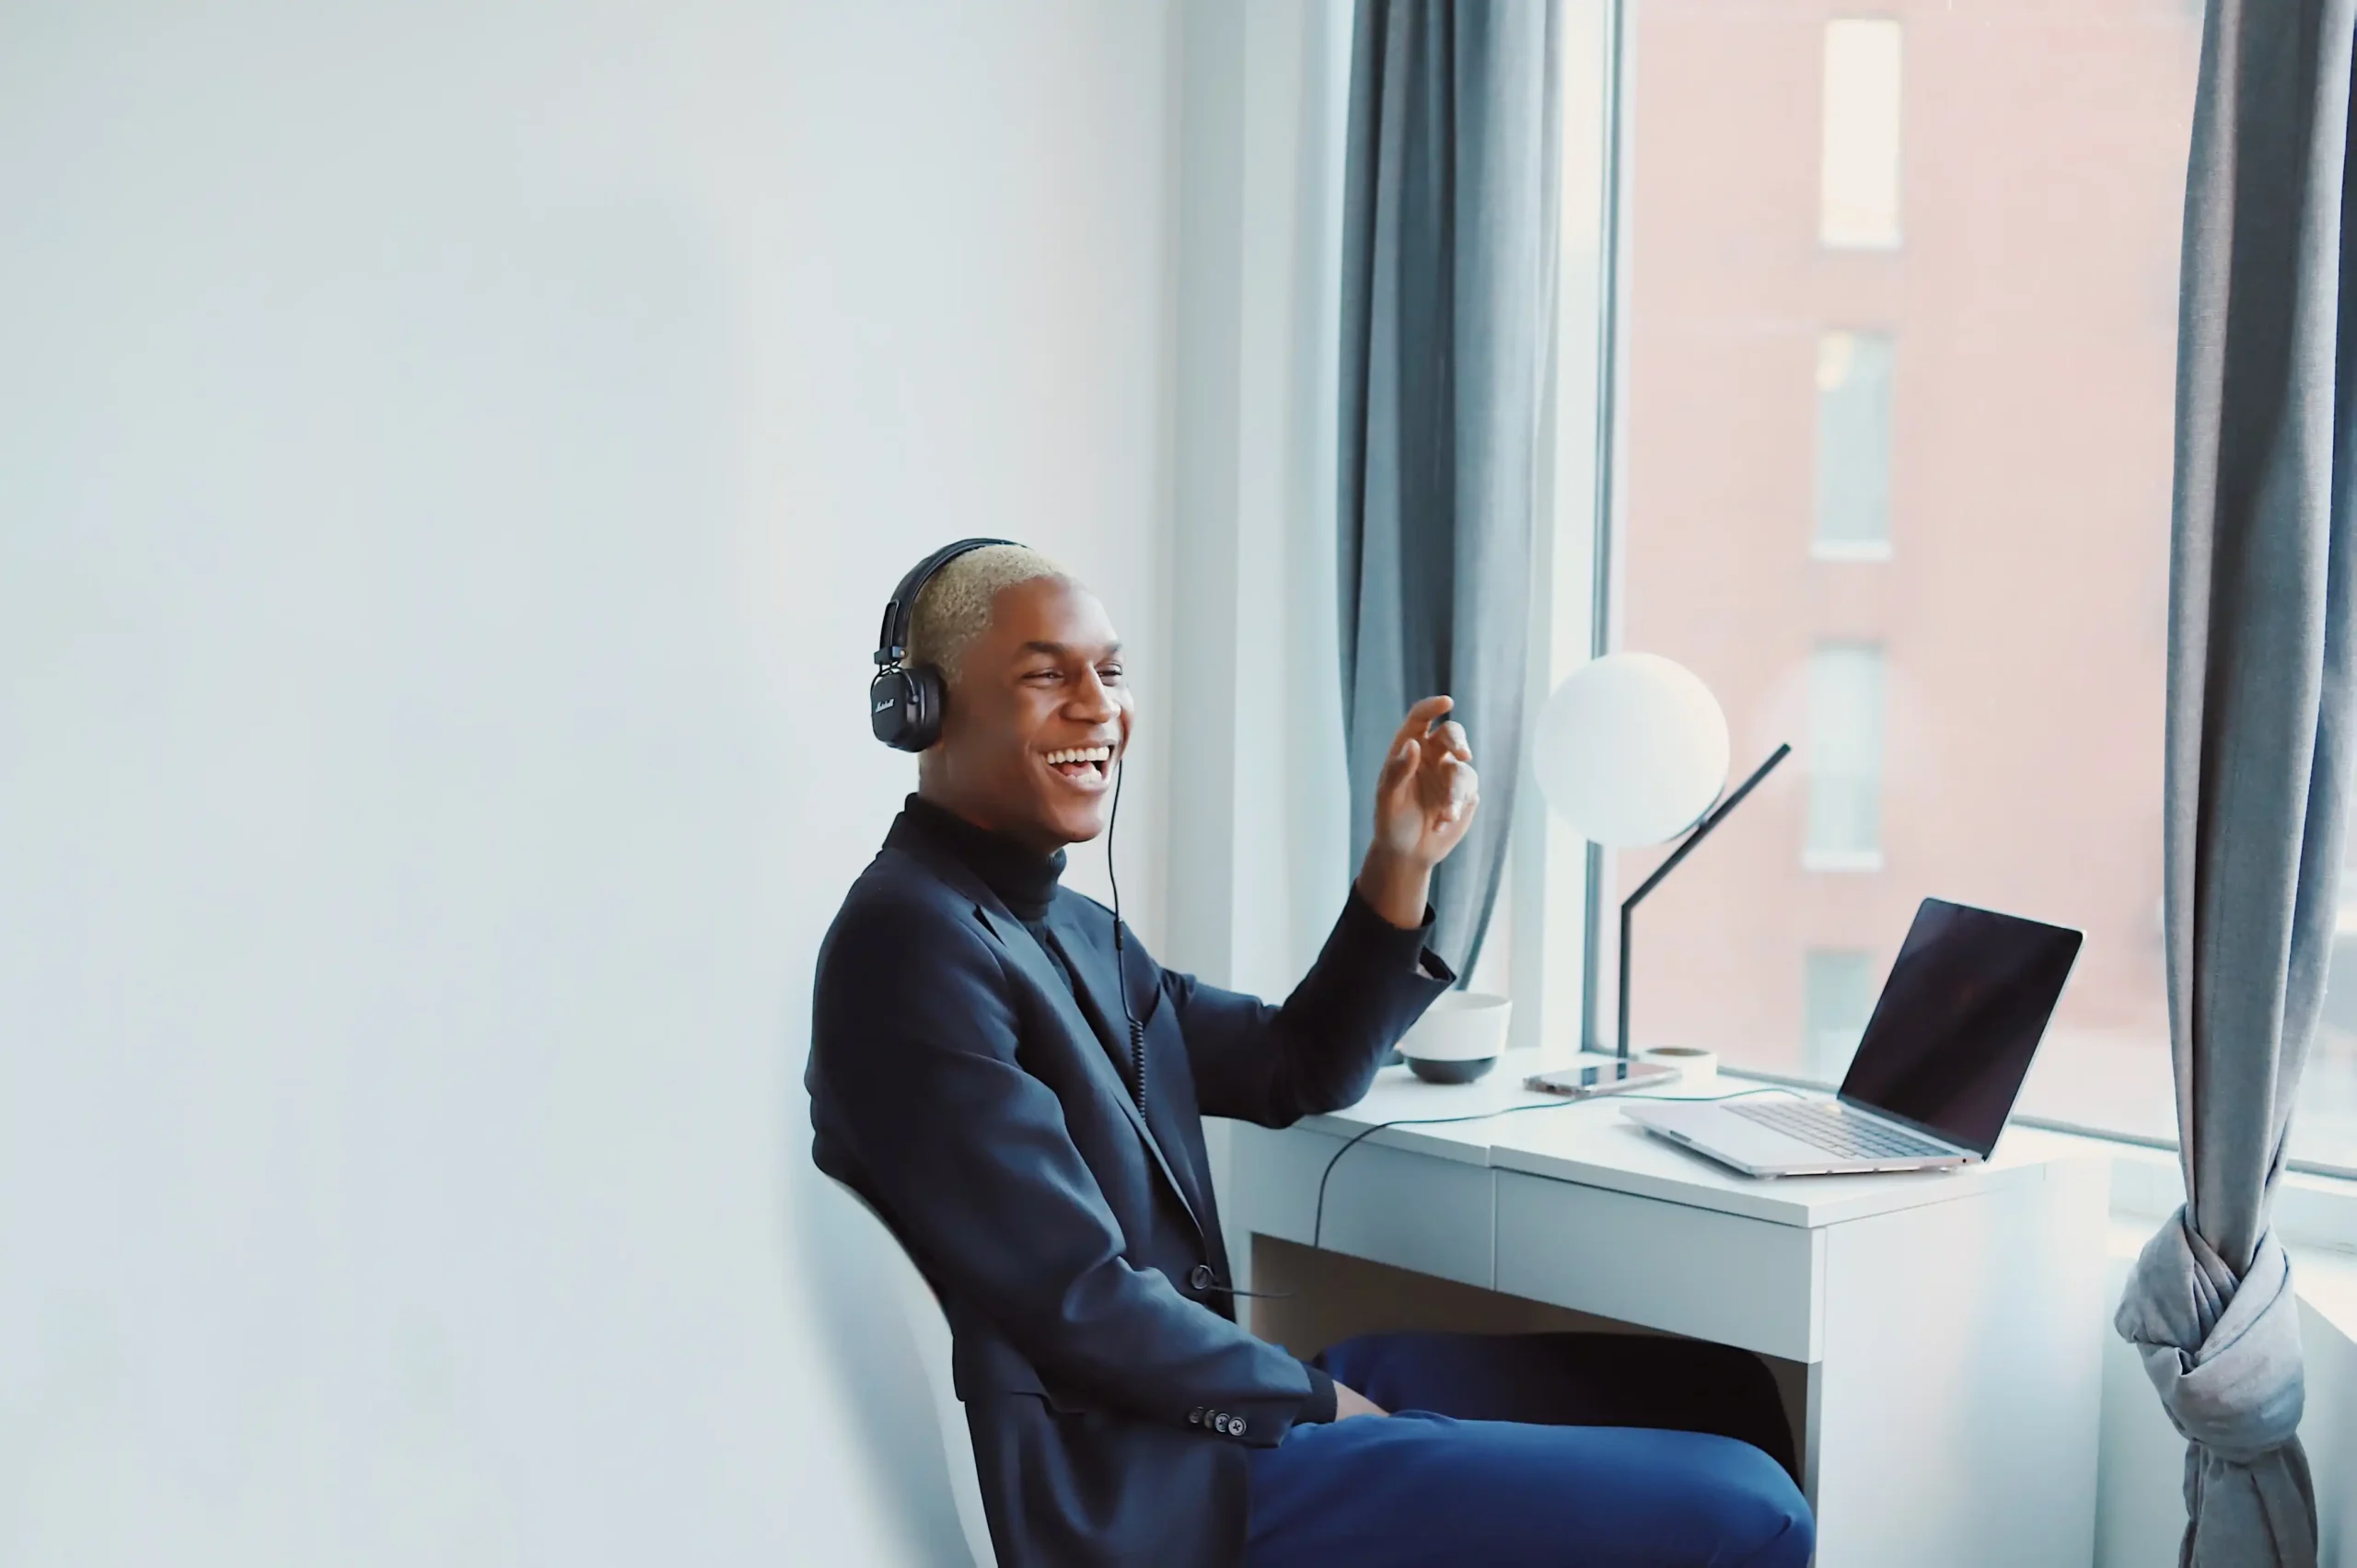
x=1460 y=789
x=1399 y=772
x=1428 y=770
x=1420 y=718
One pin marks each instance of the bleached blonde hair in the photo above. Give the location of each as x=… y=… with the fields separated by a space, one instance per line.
x=955 y=607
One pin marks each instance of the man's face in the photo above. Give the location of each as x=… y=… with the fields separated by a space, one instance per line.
x=1039 y=715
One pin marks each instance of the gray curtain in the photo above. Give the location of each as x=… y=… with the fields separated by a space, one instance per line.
x=2257 y=747
x=1449 y=293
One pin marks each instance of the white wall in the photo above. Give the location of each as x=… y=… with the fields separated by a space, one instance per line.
x=451 y=461
x=1258 y=794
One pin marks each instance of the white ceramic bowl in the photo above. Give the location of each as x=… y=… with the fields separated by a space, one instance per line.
x=1458 y=1039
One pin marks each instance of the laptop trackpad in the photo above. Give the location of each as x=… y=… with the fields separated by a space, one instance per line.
x=1716 y=1133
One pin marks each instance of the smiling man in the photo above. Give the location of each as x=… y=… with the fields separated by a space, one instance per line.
x=1003 y=1071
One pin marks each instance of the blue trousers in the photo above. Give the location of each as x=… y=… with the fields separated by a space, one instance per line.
x=1567 y=1450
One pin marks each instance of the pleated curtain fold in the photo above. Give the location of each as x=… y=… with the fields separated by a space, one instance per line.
x=1449 y=299
x=2258 y=739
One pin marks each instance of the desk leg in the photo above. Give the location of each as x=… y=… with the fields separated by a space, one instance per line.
x=1954 y=1418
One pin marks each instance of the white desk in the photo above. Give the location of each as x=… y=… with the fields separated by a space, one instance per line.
x=1950 y=1322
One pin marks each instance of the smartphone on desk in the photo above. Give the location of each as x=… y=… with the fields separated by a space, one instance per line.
x=1592 y=1075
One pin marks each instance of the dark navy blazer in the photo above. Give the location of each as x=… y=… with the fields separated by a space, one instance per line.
x=960 y=1085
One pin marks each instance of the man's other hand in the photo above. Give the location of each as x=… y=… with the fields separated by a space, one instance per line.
x=1425 y=800
x=1349 y=1402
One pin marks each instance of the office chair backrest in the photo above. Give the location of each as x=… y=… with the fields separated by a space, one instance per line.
x=930 y=1329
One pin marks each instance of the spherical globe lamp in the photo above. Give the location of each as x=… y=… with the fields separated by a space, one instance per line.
x=1632 y=749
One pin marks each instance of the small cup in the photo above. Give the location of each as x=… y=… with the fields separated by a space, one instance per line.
x=1458 y=1039
x=1697 y=1070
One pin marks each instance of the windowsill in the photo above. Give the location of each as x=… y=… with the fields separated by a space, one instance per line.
x=1873 y=551
x=2323 y=1277
x=2318 y=1211
x=2315 y=1218
x=1842 y=860
x=2326 y=1280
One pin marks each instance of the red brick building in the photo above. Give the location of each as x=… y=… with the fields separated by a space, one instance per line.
x=1894 y=479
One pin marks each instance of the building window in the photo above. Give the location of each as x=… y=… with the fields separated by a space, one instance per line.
x=1859 y=170
x=1852 y=447
x=1838 y=997
x=1845 y=736
x=2006 y=747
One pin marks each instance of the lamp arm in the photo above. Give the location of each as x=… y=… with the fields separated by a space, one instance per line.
x=1701 y=830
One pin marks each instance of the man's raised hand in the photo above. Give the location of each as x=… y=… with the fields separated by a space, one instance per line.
x=1425 y=800
x=1428 y=791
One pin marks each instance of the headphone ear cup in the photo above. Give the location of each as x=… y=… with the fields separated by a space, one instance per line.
x=889 y=706
x=927 y=697
x=904 y=707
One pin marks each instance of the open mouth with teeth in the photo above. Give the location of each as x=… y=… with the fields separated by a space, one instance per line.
x=1085 y=765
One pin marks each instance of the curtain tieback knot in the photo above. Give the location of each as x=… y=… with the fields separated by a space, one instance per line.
x=2224 y=1354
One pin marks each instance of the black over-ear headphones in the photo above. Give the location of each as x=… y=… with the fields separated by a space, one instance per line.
x=904 y=702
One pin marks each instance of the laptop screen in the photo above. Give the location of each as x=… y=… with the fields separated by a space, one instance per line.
x=1952 y=1035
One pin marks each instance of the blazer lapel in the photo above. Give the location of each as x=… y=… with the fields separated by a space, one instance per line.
x=1035 y=962
x=1092 y=964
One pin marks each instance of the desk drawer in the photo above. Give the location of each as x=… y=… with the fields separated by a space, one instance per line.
x=1697 y=1272
x=1412 y=1211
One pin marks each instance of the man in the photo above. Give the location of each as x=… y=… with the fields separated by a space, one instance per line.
x=1019 y=1089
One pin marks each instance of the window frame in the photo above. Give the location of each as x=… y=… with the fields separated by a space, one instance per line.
x=2326 y=1196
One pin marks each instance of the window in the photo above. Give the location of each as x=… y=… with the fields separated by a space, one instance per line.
x=1844 y=759
x=1853 y=446
x=1837 y=998
x=1978 y=716
x=1858 y=163
x=2328 y=1116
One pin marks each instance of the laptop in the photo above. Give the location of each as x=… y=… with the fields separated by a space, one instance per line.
x=1935 y=1075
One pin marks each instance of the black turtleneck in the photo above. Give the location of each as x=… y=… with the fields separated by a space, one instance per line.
x=1024 y=880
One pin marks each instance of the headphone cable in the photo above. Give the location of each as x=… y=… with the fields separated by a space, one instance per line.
x=1120 y=960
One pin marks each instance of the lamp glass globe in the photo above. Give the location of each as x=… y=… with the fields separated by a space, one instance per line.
x=1632 y=749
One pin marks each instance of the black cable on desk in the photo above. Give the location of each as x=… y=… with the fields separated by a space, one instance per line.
x=1318 y=1219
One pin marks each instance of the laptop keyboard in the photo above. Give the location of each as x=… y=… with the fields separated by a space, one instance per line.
x=1827 y=1125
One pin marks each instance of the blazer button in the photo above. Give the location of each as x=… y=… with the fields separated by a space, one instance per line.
x=1195 y=1416
x=1201 y=1277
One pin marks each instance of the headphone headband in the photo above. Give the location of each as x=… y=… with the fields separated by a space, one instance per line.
x=893 y=639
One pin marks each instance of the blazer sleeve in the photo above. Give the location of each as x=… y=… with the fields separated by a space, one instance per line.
x=1320 y=1051
x=969 y=1154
